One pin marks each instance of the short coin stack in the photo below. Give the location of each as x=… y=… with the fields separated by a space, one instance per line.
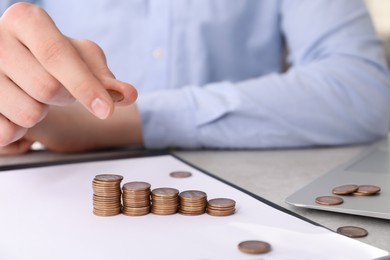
x=165 y=201
x=221 y=207
x=136 y=198
x=107 y=194
x=192 y=202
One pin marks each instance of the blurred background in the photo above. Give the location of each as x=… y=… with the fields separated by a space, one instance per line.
x=380 y=12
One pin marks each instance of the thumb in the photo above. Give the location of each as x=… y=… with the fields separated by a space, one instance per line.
x=121 y=92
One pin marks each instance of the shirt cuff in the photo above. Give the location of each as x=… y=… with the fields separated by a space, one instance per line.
x=174 y=118
x=166 y=119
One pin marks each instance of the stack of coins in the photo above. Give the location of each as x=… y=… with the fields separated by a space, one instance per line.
x=136 y=198
x=165 y=201
x=221 y=207
x=192 y=202
x=107 y=194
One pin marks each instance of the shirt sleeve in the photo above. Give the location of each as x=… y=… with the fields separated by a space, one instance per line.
x=337 y=90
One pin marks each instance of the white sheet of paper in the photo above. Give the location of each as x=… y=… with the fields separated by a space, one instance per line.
x=46 y=213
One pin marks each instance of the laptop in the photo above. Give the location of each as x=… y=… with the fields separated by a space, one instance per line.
x=372 y=167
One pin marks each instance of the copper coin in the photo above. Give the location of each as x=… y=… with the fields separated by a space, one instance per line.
x=192 y=194
x=329 y=200
x=254 y=247
x=352 y=231
x=108 y=177
x=115 y=95
x=219 y=213
x=136 y=185
x=221 y=203
x=165 y=192
x=368 y=190
x=345 y=189
x=180 y=174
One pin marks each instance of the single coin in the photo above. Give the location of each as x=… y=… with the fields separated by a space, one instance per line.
x=254 y=247
x=136 y=185
x=165 y=192
x=352 y=231
x=108 y=177
x=345 y=189
x=192 y=194
x=180 y=174
x=329 y=200
x=115 y=95
x=368 y=190
x=221 y=203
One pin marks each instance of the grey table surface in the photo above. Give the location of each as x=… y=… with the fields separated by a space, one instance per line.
x=271 y=174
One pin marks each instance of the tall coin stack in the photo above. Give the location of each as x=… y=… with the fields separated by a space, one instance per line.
x=165 y=201
x=136 y=198
x=107 y=194
x=192 y=202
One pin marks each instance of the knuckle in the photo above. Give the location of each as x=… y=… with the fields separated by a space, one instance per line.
x=52 y=50
x=83 y=88
x=19 y=12
x=48 y=87
x=6 y=135
x=29 y=117
x=92 y=47
x=8 y=132
x=93 y=50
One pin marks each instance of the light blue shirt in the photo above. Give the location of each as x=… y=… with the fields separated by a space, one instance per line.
x=209 y=72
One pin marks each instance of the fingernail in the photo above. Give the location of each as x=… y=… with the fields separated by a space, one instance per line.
x=100 y=108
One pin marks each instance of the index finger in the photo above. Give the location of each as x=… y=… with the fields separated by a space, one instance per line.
x=33 y=27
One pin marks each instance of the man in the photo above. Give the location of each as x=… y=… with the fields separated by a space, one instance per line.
x=208 y=74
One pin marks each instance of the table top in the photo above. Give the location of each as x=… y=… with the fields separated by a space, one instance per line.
x=271 y=174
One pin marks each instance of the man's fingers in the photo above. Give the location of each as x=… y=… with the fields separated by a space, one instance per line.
x=35 y=29
x=25 y=71
x=21 y=146
x=122 y=93
x=9 y=132
x=18 y=107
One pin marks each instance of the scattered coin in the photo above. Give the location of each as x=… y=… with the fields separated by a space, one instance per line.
x=107 y=194
x=345 y=189
x=367 y=190
x=254 y=247
x=221 y=207
x=352 y=231
x=116 y=96
x=180 y=174
x=329 y=200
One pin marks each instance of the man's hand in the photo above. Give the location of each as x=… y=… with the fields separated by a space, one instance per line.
x=39 y=66
x=72 y=129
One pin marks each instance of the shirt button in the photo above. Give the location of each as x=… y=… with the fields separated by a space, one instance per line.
x=158 y=53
